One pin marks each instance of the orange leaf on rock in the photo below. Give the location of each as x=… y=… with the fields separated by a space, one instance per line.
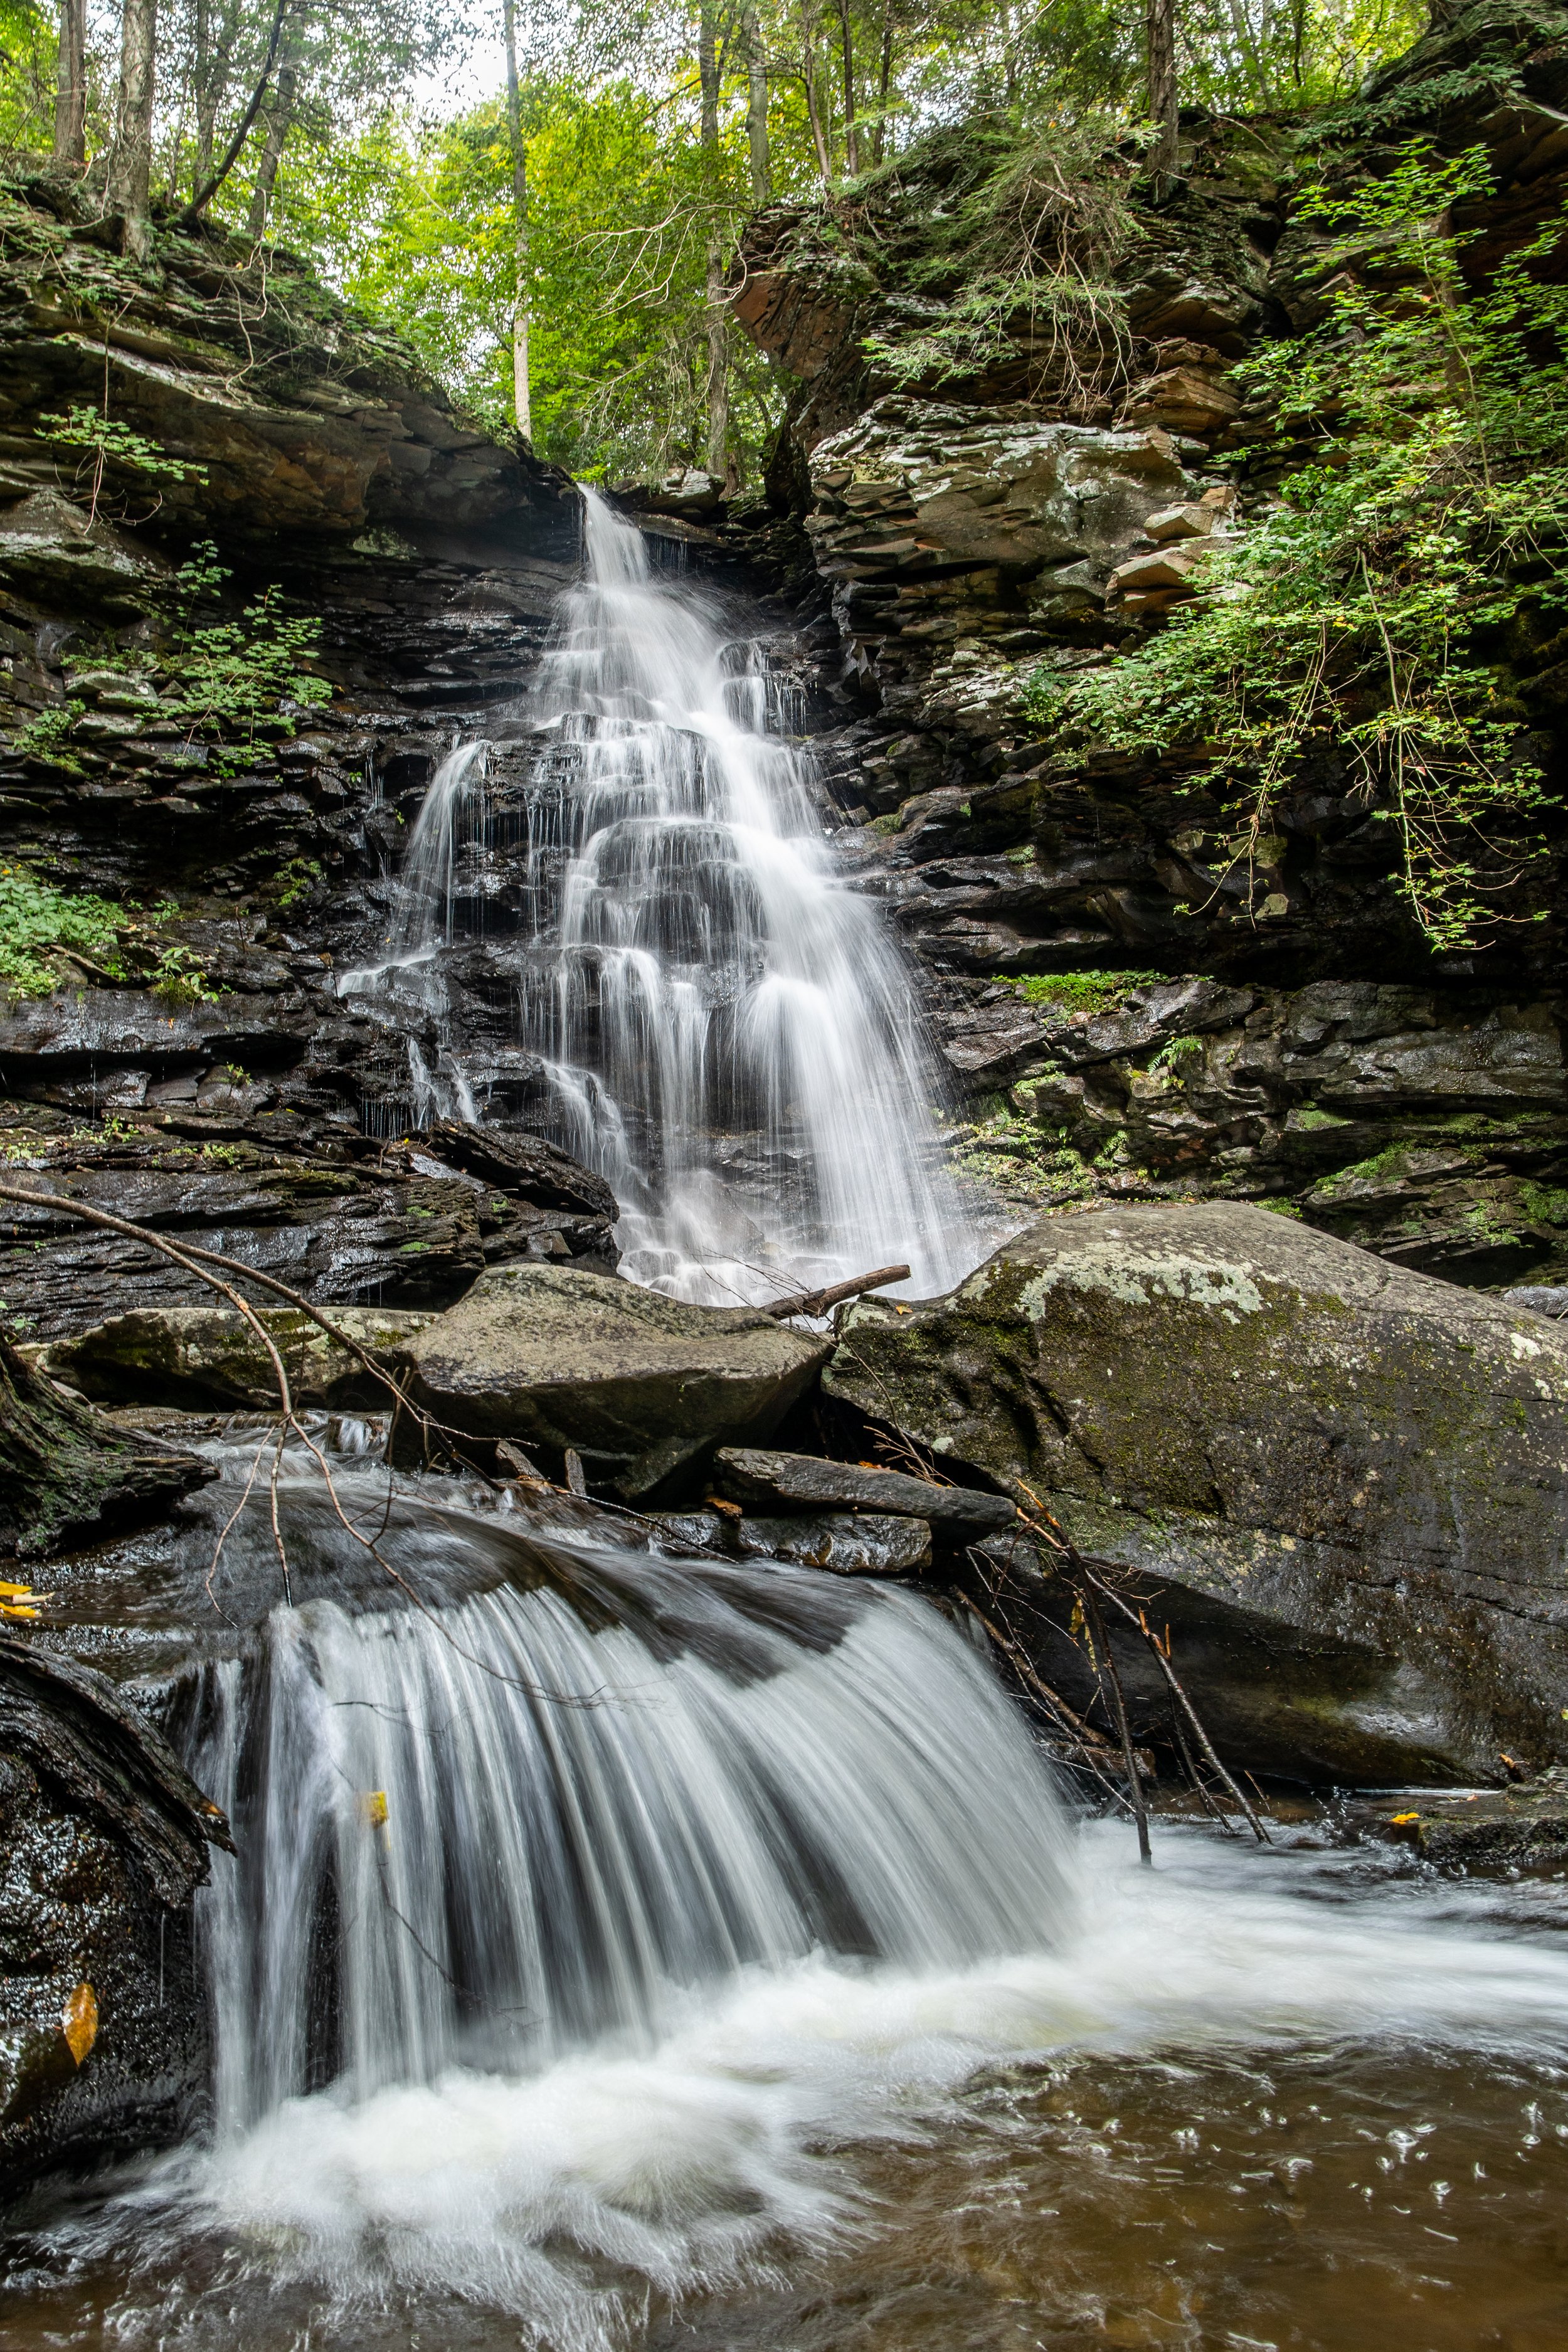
x=78 y=2021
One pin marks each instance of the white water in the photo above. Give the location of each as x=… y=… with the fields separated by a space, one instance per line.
x=728 y=1034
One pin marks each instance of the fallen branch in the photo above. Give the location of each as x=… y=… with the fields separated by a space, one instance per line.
x=818 y=1302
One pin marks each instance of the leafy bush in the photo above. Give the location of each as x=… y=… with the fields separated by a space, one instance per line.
x=49 y=937
x=1363 y=610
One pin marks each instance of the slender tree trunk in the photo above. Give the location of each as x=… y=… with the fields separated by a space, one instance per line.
x=71 y=95
x=521 y=403
x=808 y=76
x=756 y=104
x=204 y=75
x=130 y=158
x=718 y=351
x=847 y=60
x=884 y=84
x=279 y=117
x=1160 y=31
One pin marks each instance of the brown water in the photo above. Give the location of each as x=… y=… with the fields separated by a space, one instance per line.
x=1313 y=2099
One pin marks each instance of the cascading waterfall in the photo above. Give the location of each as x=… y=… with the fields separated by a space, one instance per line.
x=727 y=1034
x=496 y=1833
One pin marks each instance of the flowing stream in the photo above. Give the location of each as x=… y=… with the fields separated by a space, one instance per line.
x=725 y=1030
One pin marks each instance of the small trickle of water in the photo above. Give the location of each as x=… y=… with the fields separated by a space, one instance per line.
x=725 y=1030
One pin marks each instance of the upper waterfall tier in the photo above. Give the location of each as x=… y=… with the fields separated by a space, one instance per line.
x=724 y=1030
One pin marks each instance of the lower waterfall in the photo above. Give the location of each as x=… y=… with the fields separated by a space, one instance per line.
x=496 y=1833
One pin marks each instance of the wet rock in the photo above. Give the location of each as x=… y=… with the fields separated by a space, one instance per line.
x=850 y=1543
x=806 y=1481
x=1523 y=1827
x=104 y=2045
x=66 y=1475
x=194 y=1356
x=1344 y=1483
x=333 y=1213
x=555 y=1358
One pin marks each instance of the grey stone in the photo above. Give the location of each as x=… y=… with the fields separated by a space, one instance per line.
x=1539 y=1298
x=1344 y=1485
x=182 y=1355
x=556 y=1358
x=806 y=1481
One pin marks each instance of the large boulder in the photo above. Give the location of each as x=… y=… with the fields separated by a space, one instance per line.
x=1341 y=1483
x=633 y=1381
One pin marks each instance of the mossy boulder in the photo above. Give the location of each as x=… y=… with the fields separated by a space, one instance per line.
x=209 y=1355
x=1344 y=1484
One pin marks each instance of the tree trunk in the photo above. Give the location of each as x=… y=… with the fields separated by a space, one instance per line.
x=808 y=76
x=277 y=121
x=756 y=104
x=884 y=84
x=718 y=351
x=130 y=158
x=1160 y=29
x=846 y=58
x=70 y=96
x=522 y=404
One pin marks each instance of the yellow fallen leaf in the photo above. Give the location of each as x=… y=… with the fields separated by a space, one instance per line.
x=78 y=2021
x=375 y=1806
x=15 y=1591
x=17 y=1609
x=1395 y=1819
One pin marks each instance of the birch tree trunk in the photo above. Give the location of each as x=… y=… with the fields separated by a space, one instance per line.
x=808 y=76
x=718 y=323
x=70 y=94
x=1160 y=31
x=756 y=105
x=522 y=402
x=277 y=121
x=130 y=158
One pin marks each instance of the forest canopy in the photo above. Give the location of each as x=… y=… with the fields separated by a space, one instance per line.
x=554 y=239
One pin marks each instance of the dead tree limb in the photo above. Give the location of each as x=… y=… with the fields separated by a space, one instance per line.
x=818 y=1302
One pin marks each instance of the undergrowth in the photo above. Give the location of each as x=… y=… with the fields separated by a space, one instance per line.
x=1364 y=614
x=51 y=938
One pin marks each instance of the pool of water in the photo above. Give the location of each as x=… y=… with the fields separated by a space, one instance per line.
x=1312 y=2097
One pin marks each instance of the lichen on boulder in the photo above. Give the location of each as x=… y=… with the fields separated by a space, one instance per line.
x=1344 y=1481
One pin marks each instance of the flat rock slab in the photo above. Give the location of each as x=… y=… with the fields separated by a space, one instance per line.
x=1523 y=1827
x=802 y=1482
x=1347 y=1482
x=555 y=1358
x=210 y=1354
x=849 y=1543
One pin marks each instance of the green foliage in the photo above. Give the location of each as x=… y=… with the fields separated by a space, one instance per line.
x=45 y=737
x=235 y=678
x=1083 y=991
x=292 y=882
x=49 y=939
x=113 y=443
x=1365 y=609
x=1170 y=1058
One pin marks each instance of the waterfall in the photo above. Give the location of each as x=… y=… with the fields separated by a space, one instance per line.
x=725 y=1030
x=536 y=1823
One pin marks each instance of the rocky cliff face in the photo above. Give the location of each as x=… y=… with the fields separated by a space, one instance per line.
x=228 y=1089
x=1038 y=502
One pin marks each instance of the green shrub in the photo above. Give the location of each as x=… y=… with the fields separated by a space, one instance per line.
x=1362 y=609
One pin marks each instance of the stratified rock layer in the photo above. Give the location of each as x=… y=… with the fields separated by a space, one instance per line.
x=1344 y=1485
